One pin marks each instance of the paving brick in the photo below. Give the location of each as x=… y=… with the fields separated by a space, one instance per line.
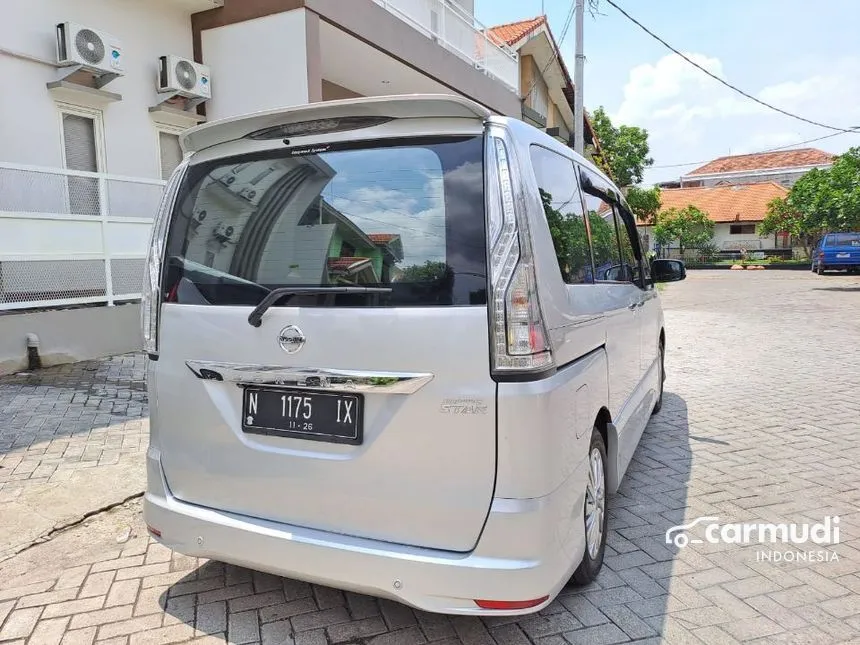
x=131 y=626
x=244 y=627
x=84 y=636
x=408 y=636
x=72 y=578
x=97 y=584
x=101 y=617
x=20 y=623
x=212 y=618
x=142 y=571
x=279 y=633
x=357 y=629
x=320 y=619
x=26 y=590
x=122 y=592
x=256 y=601
x=118 y=563
x=163 y=635
x=288 y=610
x=600 y=635
x=47 y=598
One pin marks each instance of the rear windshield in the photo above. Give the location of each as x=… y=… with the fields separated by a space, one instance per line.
x=844 y=239
x=407 y=216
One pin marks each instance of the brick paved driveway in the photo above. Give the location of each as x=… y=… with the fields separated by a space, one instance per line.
x=761 y=423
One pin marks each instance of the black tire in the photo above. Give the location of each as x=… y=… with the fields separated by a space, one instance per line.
x=662 y=368
x=590 y=566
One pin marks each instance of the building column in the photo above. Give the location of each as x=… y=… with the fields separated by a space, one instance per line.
x=314 y=56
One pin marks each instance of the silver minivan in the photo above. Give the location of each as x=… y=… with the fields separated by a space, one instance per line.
x=398 y=346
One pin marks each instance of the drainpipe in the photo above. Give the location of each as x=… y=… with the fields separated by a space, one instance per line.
x=34 y=362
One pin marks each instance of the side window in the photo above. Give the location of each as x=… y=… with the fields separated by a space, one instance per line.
x=562 y=206
x=604 y=238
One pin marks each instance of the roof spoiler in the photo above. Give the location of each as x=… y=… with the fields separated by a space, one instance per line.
x=370 y=109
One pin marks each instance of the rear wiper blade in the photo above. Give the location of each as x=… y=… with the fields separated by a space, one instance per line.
x=255 y=319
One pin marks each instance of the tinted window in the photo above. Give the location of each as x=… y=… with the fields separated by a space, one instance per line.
x=408 y=216
x=562 y=206
x=604 y=238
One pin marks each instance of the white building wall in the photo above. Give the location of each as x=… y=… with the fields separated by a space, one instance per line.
x=723 y=238
x=29 y=121
x=257 y=64
x=50 y=253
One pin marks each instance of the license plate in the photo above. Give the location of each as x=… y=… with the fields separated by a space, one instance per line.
x=843 y=255
x=303 y=414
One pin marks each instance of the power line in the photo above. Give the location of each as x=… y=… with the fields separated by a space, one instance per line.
x=717 y=78
x=790 y=145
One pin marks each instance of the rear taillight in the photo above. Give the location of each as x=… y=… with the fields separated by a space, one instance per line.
x=151 y=295
x=520 y=341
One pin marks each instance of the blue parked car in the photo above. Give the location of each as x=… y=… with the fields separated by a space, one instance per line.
x=836 y=251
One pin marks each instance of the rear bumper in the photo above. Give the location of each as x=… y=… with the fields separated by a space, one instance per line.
x=528 y=550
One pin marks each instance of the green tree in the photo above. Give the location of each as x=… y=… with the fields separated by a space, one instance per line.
x=645 y=203
x=830 y=199
x=625 y=148
x=783 y=218
x=691 y=227
x=821 y=200
x=428 y=272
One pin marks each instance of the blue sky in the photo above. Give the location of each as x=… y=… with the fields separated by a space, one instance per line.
x=803 y=57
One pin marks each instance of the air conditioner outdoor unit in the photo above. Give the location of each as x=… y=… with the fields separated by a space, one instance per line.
x=94 y=51
x=183 y=77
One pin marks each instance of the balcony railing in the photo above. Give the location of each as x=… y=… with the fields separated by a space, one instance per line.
x=453 y=28
x=69 y=237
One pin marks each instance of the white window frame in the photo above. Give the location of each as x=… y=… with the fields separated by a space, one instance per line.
x=98 y=124
x=166 y=129
x=98 y=119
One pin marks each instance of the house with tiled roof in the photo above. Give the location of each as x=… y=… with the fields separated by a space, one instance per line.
x=736 y=211
x=546 y=86
x=783 y=167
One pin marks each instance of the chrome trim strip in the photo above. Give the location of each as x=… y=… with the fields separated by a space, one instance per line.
x=311 y=378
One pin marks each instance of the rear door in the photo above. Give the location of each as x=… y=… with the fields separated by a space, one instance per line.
x=366 y=414
x=621 y=299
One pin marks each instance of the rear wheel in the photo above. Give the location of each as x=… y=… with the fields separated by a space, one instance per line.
x=594 y=512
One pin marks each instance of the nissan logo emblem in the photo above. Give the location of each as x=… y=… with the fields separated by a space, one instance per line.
x=291 y=339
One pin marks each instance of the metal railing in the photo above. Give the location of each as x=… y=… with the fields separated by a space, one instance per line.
x=69 y=237
x=455 y=29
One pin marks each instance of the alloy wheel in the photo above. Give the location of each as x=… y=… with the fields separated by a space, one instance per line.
x=595 y=503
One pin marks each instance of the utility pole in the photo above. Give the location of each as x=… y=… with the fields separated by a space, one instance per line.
x=578 y=73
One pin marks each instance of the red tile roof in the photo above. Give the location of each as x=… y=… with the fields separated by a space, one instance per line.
x=513 y=32
x=382 y=238
x=766 y=161
x=742 y=203
x=345 y=264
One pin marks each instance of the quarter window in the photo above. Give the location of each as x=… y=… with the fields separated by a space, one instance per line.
x=562 y=207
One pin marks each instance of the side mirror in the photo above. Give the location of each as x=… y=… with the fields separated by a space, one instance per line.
x=668 y=270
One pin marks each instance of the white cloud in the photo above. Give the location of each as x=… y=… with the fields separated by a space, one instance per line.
x=691 y=116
